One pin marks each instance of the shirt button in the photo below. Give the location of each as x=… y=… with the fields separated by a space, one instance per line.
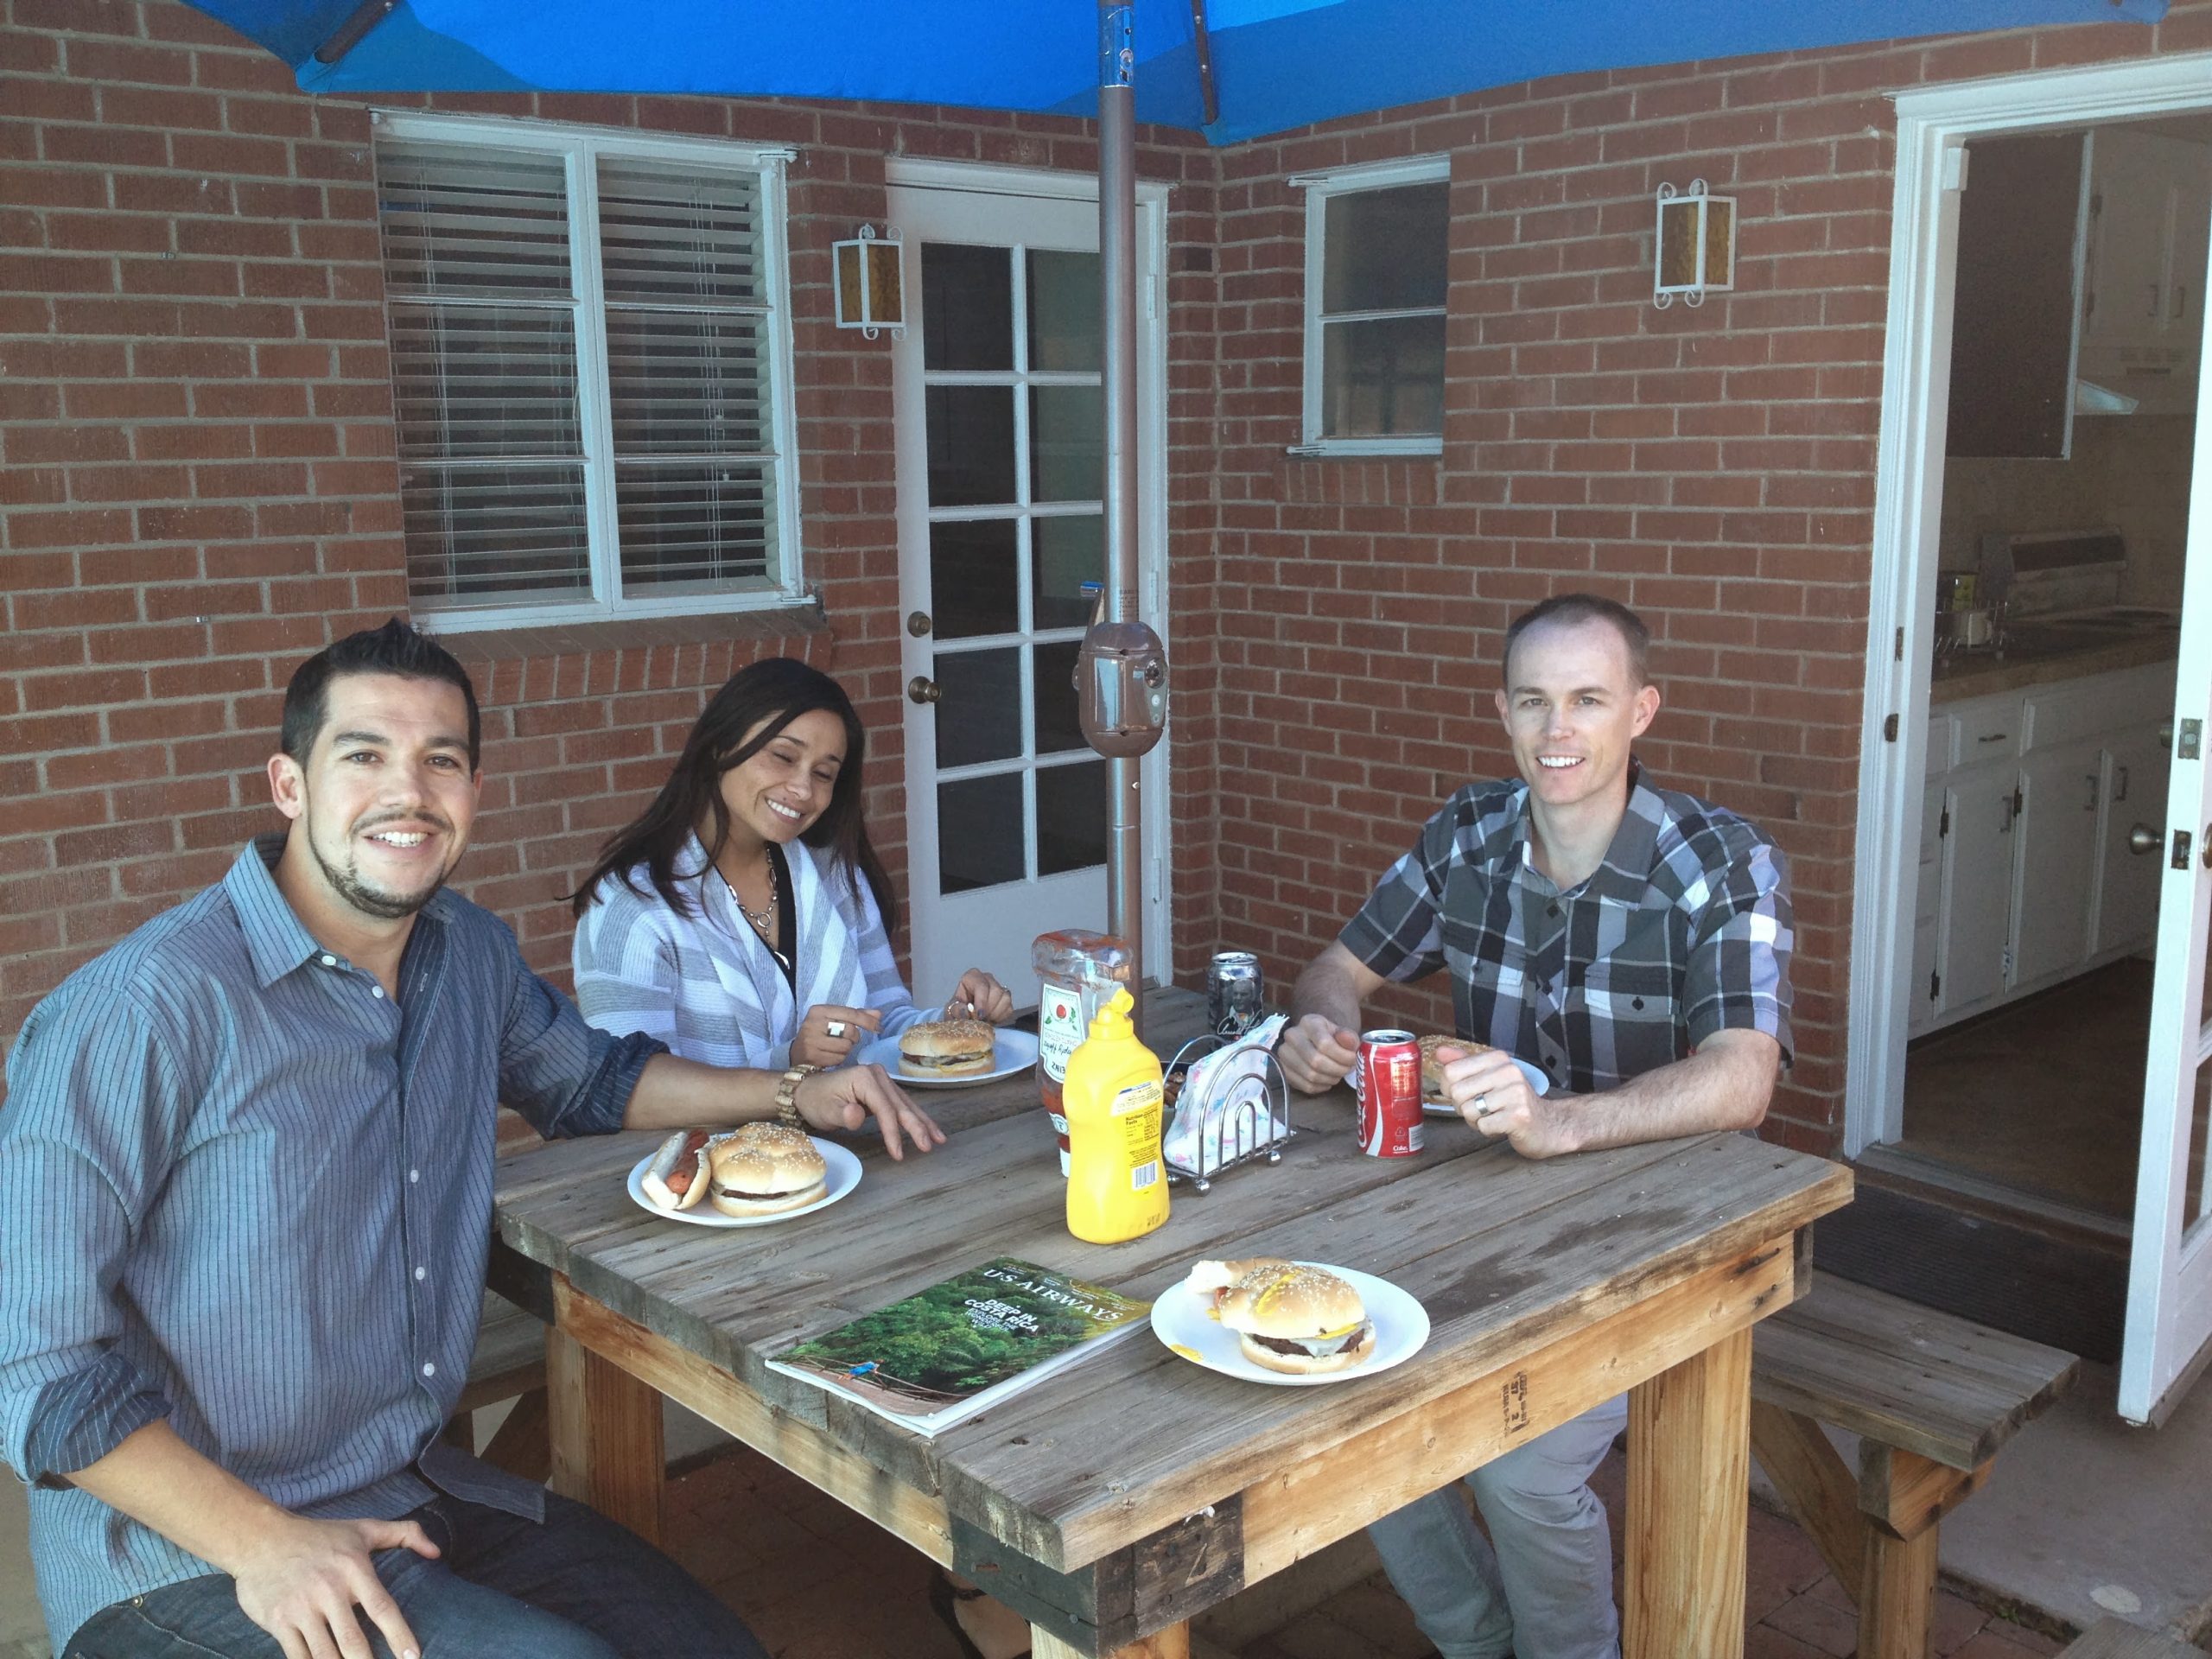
x=376 y=991
x=330 y=962
x=418 y=1272
x=1551 y=910
x=414 y=1175
x=428 y=1370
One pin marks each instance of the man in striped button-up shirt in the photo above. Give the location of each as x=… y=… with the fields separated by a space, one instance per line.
x=1632 y=944
x=246 y=1190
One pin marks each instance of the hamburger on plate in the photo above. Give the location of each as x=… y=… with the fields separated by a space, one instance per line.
x=763 y=1169
x=1432 y=1069
x=1304 y=1321
x=947 y=1048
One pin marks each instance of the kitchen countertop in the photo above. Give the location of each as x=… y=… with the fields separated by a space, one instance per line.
x=2038 y=653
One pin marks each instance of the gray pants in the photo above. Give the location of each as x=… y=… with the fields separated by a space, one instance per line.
x=1546 y=1589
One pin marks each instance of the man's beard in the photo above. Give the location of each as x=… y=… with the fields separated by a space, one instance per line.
x=372 y=902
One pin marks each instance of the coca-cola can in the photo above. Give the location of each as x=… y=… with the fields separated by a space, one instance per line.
x=1388 y=1081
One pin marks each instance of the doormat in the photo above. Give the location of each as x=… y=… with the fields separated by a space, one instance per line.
x=2068 y=1294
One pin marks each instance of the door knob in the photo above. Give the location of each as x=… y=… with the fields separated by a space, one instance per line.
x=918 y=624
x=2143 y=839
x=921 y=689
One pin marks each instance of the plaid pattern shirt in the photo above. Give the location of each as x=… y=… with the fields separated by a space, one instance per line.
x=1684 y=929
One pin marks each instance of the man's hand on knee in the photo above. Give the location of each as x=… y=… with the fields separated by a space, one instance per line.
x=1316 y=1053
x=302 y=1580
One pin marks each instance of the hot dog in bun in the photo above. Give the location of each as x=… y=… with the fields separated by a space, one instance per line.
x=947 y=1048
x=677 y=1178
x=1301 y=1321
x=764 y=1168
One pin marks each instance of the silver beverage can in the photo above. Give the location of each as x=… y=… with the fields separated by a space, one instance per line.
x=1235 y=994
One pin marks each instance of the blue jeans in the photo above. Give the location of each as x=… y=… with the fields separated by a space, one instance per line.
x=577 y=1587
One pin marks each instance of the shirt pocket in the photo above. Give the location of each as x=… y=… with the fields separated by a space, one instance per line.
x=1633 y=1011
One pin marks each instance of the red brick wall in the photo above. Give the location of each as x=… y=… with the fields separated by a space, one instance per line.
x=198 y=486
x=1714 y=467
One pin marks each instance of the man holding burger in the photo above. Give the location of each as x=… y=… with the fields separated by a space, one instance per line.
x=1632 y=941
x=246 y=1194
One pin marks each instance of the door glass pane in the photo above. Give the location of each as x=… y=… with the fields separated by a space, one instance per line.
x=971 y=445
x=979 y=833
x=1058 y=727
x=979 y=708
x=1383 y=378
x=975 y=580
x=1064 y=311
x=967 y=307
x=1066 y=554
x=1070 y=816
x=2200 y=1114
x=1066 y=447
x=1385 y=250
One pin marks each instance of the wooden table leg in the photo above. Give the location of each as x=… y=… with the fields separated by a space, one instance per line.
x=605 y=1426
x=1173 y=1643
x=1897 y=1596
x=1688 y=1492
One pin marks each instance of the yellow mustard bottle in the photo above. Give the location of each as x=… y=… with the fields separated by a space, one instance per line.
x=1118 y=1185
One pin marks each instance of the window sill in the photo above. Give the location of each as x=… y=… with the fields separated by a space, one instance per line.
x=1366 y=448
x=628 y=633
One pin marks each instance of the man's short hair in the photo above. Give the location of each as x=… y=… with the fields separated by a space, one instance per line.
x=395 y=648
x=1570 y=608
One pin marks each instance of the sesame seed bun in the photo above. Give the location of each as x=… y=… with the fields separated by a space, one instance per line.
x=763 y=1169
x=1432 y=1069
x=947 y=1048
x=1301 y=1321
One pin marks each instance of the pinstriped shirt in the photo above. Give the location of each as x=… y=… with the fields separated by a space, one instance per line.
x=241 y=1190
x=1682 y=930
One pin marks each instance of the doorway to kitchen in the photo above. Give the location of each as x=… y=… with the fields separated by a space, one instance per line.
x=2021 y=1006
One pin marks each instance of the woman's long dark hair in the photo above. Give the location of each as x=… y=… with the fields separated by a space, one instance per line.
x=777 y=690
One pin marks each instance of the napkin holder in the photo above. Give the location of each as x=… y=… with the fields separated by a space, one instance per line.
x=1259 y=1121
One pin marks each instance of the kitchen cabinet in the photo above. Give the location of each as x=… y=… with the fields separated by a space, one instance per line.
x=2031 y=796
x=2080 y=259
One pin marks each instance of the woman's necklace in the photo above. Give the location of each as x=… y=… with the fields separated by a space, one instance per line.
x=763 y=920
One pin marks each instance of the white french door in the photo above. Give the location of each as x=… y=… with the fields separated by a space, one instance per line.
x=1000 y=424
x=2169 y=1266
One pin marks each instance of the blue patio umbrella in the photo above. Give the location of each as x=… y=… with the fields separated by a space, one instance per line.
x=1232 y=69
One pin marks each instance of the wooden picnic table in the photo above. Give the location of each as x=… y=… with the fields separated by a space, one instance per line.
x=1115 y=1499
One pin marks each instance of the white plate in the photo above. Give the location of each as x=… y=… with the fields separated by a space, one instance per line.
x=1183 y=1320
x=1016 y=1051
x=843 y=1176
x=1537 y=1081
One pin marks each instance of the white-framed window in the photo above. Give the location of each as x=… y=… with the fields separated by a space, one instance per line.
x=1376 y=240
x=591 y=365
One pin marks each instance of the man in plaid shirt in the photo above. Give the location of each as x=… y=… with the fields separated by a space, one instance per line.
x=1633 y=944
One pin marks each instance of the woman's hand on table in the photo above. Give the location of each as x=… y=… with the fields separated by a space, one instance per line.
x=845 y=1100
x=1316 y=1053
x=828 y=1033
x=1488 y=1089
x=982 y=996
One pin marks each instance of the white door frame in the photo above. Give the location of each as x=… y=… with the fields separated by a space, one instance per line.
x=910 y=173
x=1933 y=127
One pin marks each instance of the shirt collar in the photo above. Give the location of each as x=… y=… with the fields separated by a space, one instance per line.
x=1624 y=874
x=275 y=938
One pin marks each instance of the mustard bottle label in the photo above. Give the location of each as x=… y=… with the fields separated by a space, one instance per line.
x=1137 y=1110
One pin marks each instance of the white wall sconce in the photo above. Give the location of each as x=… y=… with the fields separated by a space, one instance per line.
x=865 y=275
x=1695 y=246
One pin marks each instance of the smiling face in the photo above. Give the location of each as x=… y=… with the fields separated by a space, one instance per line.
x=776 y=792
x=382 y=807
x=1572 y=706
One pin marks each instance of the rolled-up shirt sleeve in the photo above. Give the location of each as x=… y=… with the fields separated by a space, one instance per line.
x=95 y=1103
x=1739 y=974
x=565 y=1076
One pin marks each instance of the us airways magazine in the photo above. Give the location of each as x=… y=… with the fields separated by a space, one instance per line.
x=965 y=1344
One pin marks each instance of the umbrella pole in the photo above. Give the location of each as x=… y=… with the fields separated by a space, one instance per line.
x=1117 y=261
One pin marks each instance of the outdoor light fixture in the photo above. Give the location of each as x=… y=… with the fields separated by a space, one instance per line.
x=1696 y=245
x=865 y=275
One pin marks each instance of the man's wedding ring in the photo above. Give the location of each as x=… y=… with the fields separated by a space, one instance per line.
x=833 y=1027
x=1482 y=1105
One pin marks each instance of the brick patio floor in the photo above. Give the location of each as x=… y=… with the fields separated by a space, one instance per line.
x=817 y=1582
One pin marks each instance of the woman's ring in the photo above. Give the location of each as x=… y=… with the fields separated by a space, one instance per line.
x=833 y=1027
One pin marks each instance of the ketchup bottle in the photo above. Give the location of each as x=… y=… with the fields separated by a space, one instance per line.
x=1079 y=970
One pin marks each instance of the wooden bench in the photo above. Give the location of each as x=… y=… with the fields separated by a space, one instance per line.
x=1931 y=1397
x=2109 y=1639
x=509 y=1363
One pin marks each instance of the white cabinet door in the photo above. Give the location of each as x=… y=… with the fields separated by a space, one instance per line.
x=2142 y=284
x=1977 y=883
x=2135 y=765
x=2055 y=859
